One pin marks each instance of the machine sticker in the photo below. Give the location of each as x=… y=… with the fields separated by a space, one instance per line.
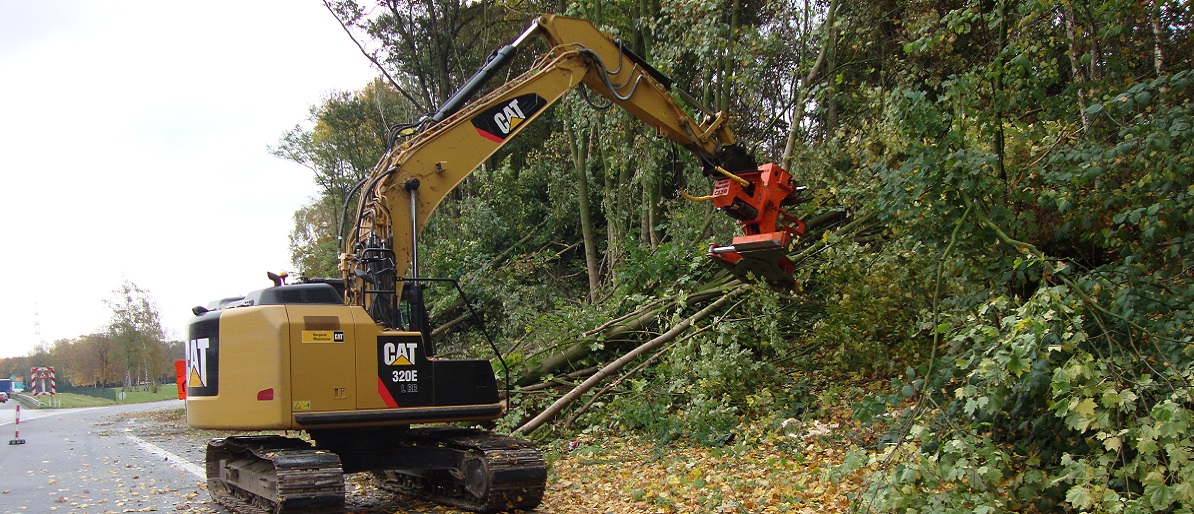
x=399 y=354
x=721 y=187
x=202 y=371
x=403 y=372
x=323 y=336
x=197 y=361
x=302 y=405
x=499 y=121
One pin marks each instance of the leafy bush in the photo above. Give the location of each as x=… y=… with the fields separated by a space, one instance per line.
x=873 y=296
x=1080 y=397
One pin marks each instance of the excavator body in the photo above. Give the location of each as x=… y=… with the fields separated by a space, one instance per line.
x=294 y=357
x=330 y=366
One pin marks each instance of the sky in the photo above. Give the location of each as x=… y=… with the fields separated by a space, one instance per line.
x=134 y=143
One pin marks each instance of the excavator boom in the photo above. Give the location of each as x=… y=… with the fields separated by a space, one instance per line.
x=413 y=177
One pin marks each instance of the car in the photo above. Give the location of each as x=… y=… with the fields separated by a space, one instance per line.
x=3 y=397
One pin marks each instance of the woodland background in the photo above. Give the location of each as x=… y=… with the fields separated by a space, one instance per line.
x=1002 y=195
x=996 y=286
x=131 y=350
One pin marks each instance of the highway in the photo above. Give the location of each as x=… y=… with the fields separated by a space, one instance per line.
x=93 y=460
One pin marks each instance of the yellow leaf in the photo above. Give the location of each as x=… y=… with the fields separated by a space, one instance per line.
x=1085 y=408
x=1113 y=443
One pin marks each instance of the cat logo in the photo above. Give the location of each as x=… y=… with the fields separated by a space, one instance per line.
x=510 y=117
x=499 y=121
x=197 y=362
x=399 y=354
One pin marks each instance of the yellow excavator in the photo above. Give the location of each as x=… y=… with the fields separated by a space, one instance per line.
x=351 y=361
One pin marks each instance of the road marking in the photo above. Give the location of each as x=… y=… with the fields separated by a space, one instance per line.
x=172 y=458
x=30 y=414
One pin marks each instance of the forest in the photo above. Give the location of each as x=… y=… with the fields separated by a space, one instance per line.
x=994 y=290
x=131 y=349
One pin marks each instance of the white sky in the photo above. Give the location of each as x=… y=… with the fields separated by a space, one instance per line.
x=133 y=142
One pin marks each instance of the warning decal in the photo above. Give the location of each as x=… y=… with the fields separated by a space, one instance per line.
x=323 y=336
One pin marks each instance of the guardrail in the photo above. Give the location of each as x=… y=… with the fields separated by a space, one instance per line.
x=28 y=400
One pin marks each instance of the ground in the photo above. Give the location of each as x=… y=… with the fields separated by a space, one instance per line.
x=792 y=467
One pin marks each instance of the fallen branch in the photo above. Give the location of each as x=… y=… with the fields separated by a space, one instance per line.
x=624 y=329
x=557 y=380
x=621 y=362
x=630 y=325
x=628 y=374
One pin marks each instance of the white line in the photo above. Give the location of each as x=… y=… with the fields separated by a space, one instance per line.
x=172 y=458
x=31 y=414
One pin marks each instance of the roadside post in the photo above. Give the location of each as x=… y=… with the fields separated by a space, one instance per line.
x=17 y=436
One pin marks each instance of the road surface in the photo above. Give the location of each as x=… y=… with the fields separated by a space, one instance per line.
x=125 y=459
x=94 y=460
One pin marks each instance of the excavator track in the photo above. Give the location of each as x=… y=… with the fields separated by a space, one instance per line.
x=498 y=473
x=273 y=474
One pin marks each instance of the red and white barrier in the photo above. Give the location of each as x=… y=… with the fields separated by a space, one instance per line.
x=42 y=381
x=17 y=436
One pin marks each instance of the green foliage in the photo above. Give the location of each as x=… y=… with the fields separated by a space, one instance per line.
x=313 y=245
x=698 y=392
x=873 y=299
x=1083 y=391
x=1030 y=294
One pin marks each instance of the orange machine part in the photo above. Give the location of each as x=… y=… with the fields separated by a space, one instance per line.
x=767 y=229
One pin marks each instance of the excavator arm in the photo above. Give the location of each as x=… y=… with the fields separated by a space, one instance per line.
x=415 y=175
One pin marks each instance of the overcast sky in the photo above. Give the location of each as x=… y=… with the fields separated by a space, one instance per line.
x=133 y=146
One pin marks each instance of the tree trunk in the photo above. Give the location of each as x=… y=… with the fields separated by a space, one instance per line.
x=1158 y=36
x=1076 y=64
x=622 y=332
x=728 y=59
x=580 y=164
x=618 y=190
x=801 y=93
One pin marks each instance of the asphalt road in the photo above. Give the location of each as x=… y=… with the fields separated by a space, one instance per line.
x=118 y=459
x=93 y=460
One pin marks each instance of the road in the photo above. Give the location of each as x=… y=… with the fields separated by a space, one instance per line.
x=128 y=458
x=93 y=460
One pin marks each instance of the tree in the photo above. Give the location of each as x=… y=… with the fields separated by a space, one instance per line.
x=99 y=355
x=431 y=46
x=135 y=329
x=349 y=133
x=314 y=247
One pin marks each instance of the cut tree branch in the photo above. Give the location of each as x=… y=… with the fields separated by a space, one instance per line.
x=621 y=362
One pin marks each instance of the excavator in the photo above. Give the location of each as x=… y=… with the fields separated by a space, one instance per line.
x=351 y=362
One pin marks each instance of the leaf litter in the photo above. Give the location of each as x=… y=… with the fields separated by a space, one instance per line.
x=782 y=467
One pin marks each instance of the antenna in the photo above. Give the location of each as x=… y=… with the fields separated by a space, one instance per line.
x=37 y=325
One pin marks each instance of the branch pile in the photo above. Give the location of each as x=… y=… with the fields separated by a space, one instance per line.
x=708 y=298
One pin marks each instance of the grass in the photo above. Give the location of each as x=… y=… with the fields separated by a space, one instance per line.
x=71 y=400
